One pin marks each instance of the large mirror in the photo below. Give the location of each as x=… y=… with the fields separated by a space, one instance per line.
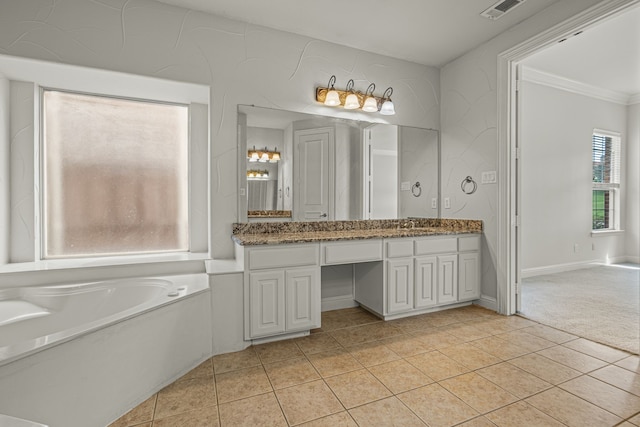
x=304 y=167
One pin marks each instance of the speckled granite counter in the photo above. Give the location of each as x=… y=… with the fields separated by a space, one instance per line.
x=268 y=233
x=269 y=214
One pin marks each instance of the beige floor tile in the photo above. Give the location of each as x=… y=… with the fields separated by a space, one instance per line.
x=372 y=353
x=466 y=332
x=386 y=412
x=635 y=420
x=625 y=424
x=526 y=341
x=571 y=410
x=606 y=396
x=522 y=414
x=406 y=345
x=470 y=356
x=204 y=417
x=545 y=368
x=478 y=392
x=277 y=351
x=500 y=348
x=477 y=422
x=619 y=377
x=204 y=370
x=631 y=363
x=315 y=343
x=246 y=358
x=573 y=359
x=365 y=333
x=183 y=396
x=494 y=326
x=357 y=388
x=308 y=402
x=262 y=410
x=400 y=376
x=436 y=406
x=240 y=384
x=291 y=372
x=437 y=339
x=341 y=419
x=334 y=362
x=436 y=365
x=514 y=380
x=599 y=351
x=550 y=334
x=140 y=414
x=518 y=322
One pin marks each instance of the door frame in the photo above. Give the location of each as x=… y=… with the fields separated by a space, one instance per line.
x=508 y=259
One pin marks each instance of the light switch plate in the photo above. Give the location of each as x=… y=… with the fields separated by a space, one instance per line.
x=489 y=177
x=405 y=186
x=447 y=203
x=434 y=203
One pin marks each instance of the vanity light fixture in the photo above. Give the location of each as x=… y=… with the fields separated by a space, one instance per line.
x=387 y=108
x=333 y=98
x=263 y=156
x=253 y=155
x=257 y=173
x=350 y=99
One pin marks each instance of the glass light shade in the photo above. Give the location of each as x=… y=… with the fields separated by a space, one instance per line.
x=332 y=99
x=275 y=156
x=253 y=156
x=351 y=103
x=264 y=157
x=387 y=108
x=370 y=105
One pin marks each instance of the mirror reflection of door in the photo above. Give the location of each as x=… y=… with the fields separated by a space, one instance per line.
x=313 y=183
x=381 y=172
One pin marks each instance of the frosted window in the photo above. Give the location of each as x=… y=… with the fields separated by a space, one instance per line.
x=115 y=176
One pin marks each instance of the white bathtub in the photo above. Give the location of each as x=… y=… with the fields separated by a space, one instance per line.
x=67 y=349
x=35 y=318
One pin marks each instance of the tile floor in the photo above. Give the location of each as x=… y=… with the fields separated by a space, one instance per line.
x=468 y=367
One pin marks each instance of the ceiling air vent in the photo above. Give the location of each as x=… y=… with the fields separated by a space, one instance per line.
x=499 y=9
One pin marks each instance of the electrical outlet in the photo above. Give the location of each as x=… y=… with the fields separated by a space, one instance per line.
x=447 y=203
x=489 y=177
x=405 y=186
x=242 y=192
x=434 y=203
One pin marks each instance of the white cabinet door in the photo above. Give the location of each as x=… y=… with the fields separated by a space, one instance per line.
x=426 y=280
x=468 y=276
x=399 y=285
x=302 y=299
x=447 y=278
x=266 y=303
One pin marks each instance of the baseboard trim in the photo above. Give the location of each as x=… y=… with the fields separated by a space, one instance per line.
x=620 y=259
x=557 y=268
x=487 y=302
x=337 y=303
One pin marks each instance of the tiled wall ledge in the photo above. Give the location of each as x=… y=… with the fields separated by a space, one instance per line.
x=258 y=233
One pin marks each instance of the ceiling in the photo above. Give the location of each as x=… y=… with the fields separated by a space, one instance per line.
x=435 y=32
x=605 y=55
x=429 y=32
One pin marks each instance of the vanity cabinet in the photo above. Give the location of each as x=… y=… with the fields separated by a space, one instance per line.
x=423 y=273
x=282 y=290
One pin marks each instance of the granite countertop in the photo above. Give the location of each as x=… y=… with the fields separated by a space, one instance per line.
x=269 y=214
x=266 y=233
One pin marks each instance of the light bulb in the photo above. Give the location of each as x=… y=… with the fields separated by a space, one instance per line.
x=351 y=103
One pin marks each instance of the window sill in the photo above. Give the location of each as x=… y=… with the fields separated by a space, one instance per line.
x=116 y=261
x=603 y=233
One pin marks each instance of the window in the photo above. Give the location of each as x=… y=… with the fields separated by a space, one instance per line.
x=606 y=180
x=115 y=175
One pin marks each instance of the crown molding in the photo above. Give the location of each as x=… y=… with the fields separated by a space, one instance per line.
x=547 y=79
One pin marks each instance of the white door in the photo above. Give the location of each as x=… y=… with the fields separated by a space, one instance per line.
x=266 y=304
x=399 y=285
x=313 y=169
x=303 y=298
x=381 y=172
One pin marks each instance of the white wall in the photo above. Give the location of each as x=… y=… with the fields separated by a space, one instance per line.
x=5 y=157
x=469 y=126
x=556 y=174
x=243 y=64
x=633 y=184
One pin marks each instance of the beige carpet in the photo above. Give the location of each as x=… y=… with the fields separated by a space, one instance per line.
x=601 y=303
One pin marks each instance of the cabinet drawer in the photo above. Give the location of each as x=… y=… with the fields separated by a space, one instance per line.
x=469 y=244
x=283 y=256
x=432 y=246
x=401 y=248
x=350 y=252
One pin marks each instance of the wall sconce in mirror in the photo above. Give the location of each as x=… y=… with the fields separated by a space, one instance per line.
x=352 y=100
x=263 y=156
x=257 y=174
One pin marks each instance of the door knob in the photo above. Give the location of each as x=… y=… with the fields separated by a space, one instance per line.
x=324 y=215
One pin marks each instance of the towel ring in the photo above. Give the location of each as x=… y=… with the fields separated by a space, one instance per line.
x=465 y=185
x=415 y=188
